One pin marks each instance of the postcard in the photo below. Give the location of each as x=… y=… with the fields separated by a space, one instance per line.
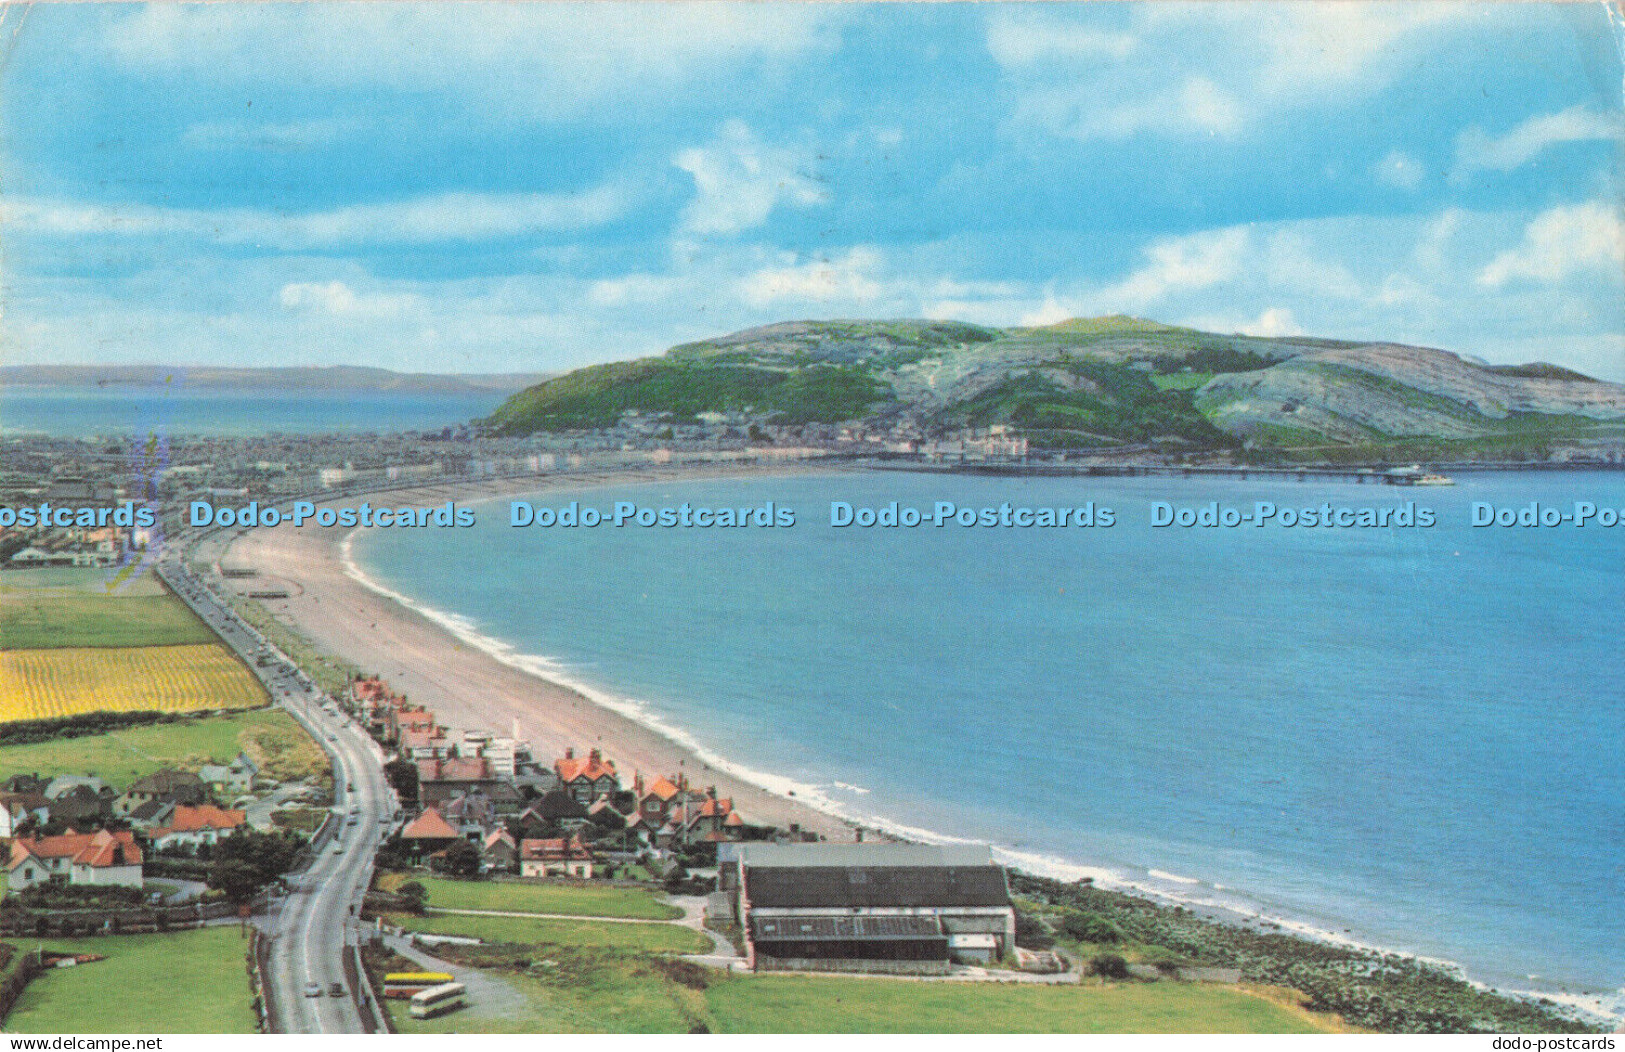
x=856 y=518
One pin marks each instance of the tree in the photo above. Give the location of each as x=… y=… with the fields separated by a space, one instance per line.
x=240 y=880
x=403 y=776
x=247 y=861
x=412 y=895
x=461 y=859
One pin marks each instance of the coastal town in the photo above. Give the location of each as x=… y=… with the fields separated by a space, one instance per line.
x=413 y=841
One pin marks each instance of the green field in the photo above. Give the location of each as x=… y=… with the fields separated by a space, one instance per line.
x=623 y=993
x=193 y=982
x=621 y=999
x=644 y=938
x=808 y=1004
x=635 y=903
x=39 y=618
x=270 y=736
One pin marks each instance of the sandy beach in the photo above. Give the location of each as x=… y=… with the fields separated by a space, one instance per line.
x=466 y=687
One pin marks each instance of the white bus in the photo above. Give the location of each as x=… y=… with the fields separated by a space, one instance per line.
x=437 y=1000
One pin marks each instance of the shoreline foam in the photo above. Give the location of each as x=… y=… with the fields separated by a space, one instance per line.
x=1607 y=1006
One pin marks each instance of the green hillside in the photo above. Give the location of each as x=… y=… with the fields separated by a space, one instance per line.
x=1086 y=383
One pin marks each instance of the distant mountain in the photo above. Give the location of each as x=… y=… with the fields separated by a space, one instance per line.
x=298 y=378
x=1088 y=383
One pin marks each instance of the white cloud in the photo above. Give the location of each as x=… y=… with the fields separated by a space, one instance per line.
x=1178 y=264
x=1316 y=48
x=1477 y=151
x=1203 y=68
x=1196 y=106
x=1399 y=170
x=1559 y=243
x=521 y=61
x=422 y=220
x=739 y=182
x=339 y=299
x=1022 y=35
x=1273 y=321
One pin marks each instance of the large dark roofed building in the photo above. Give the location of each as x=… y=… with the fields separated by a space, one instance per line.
x=898 y=907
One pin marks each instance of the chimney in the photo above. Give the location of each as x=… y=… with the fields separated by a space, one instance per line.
x=569 y=752
x=595 y=756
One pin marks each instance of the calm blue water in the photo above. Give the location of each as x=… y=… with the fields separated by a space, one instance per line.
x=1411 y=736
x=127 y=410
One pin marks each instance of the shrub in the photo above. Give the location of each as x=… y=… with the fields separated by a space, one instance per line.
x=1032 y=933
x=1091 y=927
x=412 y=895
x=1108 y=966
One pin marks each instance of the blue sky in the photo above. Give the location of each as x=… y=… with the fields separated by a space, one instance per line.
x=535 y=187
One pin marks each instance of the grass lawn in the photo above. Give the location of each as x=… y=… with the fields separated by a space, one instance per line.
x=269 y=736
x=578 y=991
x=192 y=982
x=808 y=1004
x=646 y=938
x=635 y=903
x=620 y=999
x=48 y=618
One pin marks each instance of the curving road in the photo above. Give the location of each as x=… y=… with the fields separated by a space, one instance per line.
x=314 y=927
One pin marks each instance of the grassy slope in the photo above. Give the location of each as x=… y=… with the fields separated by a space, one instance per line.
x=602 y=991
x=191 y=982
x=808 y=1004
x=270 y=737
x=635 y=903
x=647 y=938
x=1118 y=403
x=598 y=395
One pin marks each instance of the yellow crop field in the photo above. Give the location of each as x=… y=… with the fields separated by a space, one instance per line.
x=50 y=684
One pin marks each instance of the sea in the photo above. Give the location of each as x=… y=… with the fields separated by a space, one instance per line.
x=1405 y=737
x=89 y=411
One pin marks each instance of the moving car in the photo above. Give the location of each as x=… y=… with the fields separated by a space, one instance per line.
x=313 y=989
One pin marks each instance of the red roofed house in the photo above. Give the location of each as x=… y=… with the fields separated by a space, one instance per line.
x=655 y=802
x=555 y=856
x=425 y=743
x=709 y=818
x=499 y=852
x=103 y=858
x=588 y=779
x=195 y=826
x=428 y=833
x=442 y=780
